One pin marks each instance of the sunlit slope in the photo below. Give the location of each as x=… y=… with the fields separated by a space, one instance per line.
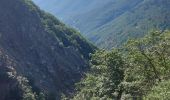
x=146 y=16
x=110 y=23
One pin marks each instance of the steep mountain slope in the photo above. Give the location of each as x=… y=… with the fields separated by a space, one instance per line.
x=101 y=15
x=37 y=47
x=110 y=23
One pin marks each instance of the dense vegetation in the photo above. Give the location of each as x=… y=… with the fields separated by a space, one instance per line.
x=138 y=70
x=41 y=58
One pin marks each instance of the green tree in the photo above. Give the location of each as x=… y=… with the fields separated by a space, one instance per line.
x=105 y=77
x=148 y=61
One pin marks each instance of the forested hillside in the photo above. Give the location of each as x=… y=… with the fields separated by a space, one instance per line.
x=40 y=57
x=110 y=23
x=146 y=16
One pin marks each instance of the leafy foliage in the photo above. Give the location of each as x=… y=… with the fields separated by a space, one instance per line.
x=160 y=92
x=147 y=60
x=136 y=71
x=105 y=77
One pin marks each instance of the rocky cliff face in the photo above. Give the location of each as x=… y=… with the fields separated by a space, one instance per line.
x=45 y=51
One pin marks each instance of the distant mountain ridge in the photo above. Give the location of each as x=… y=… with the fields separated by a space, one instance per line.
x=90 y=15
x=146 y=16
x=110 y=23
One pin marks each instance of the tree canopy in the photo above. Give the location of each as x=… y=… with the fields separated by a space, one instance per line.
x=138 y=70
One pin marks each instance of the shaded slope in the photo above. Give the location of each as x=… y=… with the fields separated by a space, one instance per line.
x=45 y=51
